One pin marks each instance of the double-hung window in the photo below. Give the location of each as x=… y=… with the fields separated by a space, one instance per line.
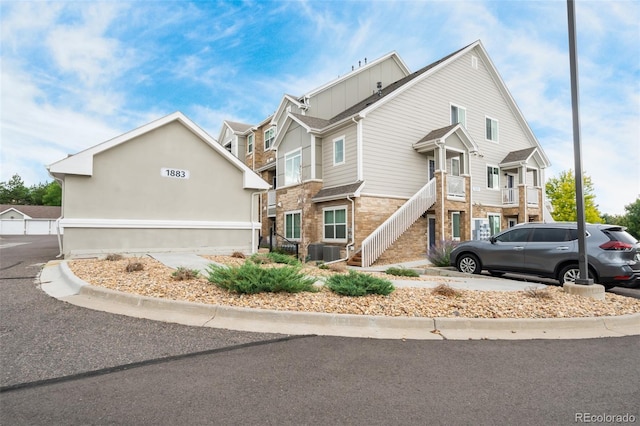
x=493 y=177
x=292 y=165
x=250 y=143
x=338 y=151
x=458 y=115
x=335 y=224
x=292 y=225
x=491 y=129
x=269 y=137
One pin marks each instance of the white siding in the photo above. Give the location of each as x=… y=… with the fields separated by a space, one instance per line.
x=296 y=137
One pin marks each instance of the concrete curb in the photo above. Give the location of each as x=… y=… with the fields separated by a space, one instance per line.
x=59 y=282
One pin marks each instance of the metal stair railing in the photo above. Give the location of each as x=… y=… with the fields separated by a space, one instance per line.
x=391 y=229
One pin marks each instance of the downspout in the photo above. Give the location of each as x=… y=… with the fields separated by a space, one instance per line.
x=359 y=161
x=353 y=233
x=253 y=223
x=61 y=182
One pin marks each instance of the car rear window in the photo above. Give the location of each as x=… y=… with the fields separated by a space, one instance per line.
x=618 y=234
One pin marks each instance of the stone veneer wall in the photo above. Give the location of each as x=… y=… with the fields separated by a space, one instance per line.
x=299 y=198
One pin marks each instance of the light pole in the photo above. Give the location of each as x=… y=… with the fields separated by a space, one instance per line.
x=583 y=261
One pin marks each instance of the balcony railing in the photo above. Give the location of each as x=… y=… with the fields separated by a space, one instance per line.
x=510 y=196
x=455 y=186
x=532 y=196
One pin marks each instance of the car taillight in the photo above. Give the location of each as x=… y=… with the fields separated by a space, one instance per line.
x=615 y=245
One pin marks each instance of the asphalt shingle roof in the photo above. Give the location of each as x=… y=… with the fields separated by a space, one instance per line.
x=338 y=191
x=520 y=155
x=36 y=212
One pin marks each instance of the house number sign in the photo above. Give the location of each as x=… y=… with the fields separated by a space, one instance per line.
x=174 y=173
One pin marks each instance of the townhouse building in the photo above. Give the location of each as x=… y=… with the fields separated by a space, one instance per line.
x=383 y=163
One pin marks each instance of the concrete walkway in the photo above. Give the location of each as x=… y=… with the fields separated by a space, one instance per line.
x=58 y=281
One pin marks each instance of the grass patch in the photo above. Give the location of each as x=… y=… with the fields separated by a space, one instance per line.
x=445 y=290
x=250 y=278
x=401 y=272
x=274 y=257
x=134 y=266
x=183 y=274
x=538 y=293
x=358 y=284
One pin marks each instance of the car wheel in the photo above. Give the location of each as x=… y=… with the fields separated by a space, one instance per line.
x=570 y=273
x=496 y=273
x=469 y=264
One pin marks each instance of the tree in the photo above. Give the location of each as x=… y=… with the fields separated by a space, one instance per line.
x=561 y=192
x=14 y=191
x=632 y=218
x=52 y=195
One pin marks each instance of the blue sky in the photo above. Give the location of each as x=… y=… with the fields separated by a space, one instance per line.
x=78 y=73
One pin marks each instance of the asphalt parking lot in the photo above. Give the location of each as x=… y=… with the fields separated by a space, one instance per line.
x=62 y=364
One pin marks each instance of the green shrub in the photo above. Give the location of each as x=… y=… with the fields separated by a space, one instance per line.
x=274 y=257
x=250 y=278
x=358 y=284
x=183 y=274
x=401 y=272
x=440 y=253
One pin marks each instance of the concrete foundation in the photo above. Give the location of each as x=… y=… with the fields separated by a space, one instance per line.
x=595 y=291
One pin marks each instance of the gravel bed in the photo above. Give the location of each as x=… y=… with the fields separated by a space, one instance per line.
x=155 y=280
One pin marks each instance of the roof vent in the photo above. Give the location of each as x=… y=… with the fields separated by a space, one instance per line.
x=379 y=87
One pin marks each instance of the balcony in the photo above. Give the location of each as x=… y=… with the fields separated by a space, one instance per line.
x=455 y=187
x=510 y=196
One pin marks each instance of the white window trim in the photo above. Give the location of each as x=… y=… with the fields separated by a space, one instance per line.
x=459 y=226
x=273 y=139
x=292 y=212
x=287 y=155
x=251 y=137
x=452 y=159
x=344 y=147
x=346 y=221
x=497 y=188
x=464 y=123
x=497 y=139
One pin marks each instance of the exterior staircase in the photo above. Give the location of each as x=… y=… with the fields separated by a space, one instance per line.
x=391 y=229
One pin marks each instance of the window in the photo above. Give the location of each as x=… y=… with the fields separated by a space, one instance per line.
x=292 y=225
x=493 y=177
x=458 y=115
x=553 y=235
x=250 y=143
x=292 y=164
x=338 y=151
x=492 y=129
x=455 y=166
x=335 y=223
x=494 y=223
x=269 y=137
x=517 y=235
x=455 y=226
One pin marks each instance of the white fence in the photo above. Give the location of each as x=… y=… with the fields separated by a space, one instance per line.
x=28 y=227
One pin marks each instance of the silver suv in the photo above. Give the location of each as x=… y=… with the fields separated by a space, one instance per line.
x=551 y=250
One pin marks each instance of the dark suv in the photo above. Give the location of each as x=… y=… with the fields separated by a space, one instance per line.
x=551 y=250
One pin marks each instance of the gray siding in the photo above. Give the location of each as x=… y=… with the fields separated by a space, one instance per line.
x=344 y=94
x=391 y=166
x=296 y=137
x=344 y=173
x=127 y=184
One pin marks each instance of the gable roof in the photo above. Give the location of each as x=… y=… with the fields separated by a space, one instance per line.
x=439 y=136
x=237 y=127
x=33 y=212
x=82 y=162
x=522 y=157
x=386 y=94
